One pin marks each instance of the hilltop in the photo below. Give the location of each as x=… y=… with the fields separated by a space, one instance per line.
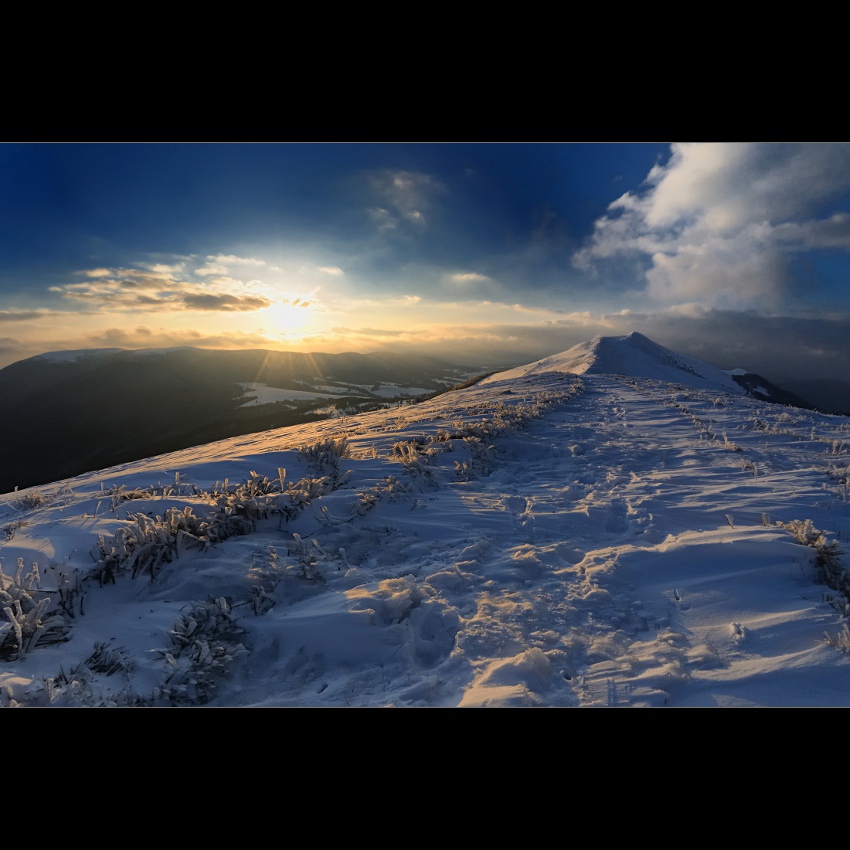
x=637 y=356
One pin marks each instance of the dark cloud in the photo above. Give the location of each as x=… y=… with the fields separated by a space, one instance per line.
x=21 y=315
x=231 y=303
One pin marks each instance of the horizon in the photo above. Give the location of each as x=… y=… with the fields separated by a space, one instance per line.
x=734 y=253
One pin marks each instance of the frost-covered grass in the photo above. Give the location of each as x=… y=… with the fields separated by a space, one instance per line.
x=32 y=617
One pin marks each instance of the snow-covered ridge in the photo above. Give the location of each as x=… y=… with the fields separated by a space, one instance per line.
x=635 y=356
x=548 y=540
x=72 y=356
x=75 y=355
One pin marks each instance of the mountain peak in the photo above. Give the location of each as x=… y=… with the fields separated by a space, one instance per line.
x=633 y=355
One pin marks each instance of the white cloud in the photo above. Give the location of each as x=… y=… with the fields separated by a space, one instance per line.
x=211 y=268
x=219 y=263
x=470 y=277
x=167 y=270
x=718 y=220
x=233 y=260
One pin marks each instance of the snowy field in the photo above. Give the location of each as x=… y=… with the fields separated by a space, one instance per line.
x=542 y=539
x=258 y=393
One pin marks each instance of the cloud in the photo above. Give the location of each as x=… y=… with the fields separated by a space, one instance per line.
x=232 y=259
x=369 y=332
x=105 y=278
x=211 y=268
x=356 y=304
x=143 y=336
x=224 y=302
x=166 y=269
x=24 y=315
x=12 y=349
x=334 y=270
x=80 y=336
x=469 y=277
x=404 y=196
x=219 y=264
x=718 y=223
x=134 y=290
x=778 y=347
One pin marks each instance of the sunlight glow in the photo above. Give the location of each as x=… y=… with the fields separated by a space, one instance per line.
x=287 y=316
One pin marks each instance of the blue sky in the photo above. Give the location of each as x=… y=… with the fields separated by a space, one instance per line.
x=493 y=254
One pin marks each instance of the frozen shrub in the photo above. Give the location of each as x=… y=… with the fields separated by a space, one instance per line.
x=107 y=661
x=30 y=500
x=480 y=460
x=831 y=571
x=415 y=458
x=265 y=576
x=26 y=609
x=325 y=455
x=308 y=556
x=839 y=641
x=206 y=642
x=145 y=543
x=304 y=491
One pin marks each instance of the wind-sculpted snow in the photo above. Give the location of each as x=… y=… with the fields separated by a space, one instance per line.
x=546 y=540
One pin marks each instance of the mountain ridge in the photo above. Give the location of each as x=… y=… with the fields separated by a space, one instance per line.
x=68 y=412
x=638 y=356
x=547 y=540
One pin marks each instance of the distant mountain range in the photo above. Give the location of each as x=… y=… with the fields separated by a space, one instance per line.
x=825 y=394
x=69 y=412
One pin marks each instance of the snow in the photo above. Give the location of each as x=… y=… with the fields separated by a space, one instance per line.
x=264 y=394
x=394 y=390
x=75 y=355
x=634 y=355
x=541 y=539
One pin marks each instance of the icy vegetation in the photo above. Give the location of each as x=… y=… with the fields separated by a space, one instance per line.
x=544 y=538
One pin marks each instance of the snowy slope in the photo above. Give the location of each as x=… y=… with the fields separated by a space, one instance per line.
x=544 y=539
x=69 y=412
x=633 y=355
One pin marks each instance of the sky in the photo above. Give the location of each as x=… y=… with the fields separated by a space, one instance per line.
x=540 y=539
x=490 y=254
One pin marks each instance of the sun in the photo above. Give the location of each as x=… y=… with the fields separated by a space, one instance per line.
x=288 y=316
